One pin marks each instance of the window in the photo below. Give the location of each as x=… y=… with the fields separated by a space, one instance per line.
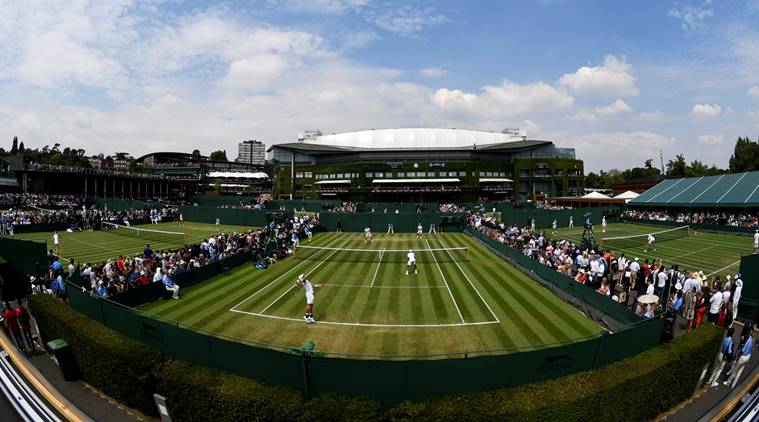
x=369 y=175
x=308 y=174
x=299 y=175
x=430 y=174
x=401 y=174
x=462 y=174
x=443 y=174
x=332 y=175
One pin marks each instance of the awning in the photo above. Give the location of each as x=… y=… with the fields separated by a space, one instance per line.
x=495 y=180
x=456 y=180
x=333 y=182
x=239 y=175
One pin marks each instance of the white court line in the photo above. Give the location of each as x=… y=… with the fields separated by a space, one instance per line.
x=382 y=253
x=470 y=282
x=307 y=274
x=275 y=280
x=694 y=252
x=384 y=287
x=358 y=324
x=446 y=283
x=724 y=268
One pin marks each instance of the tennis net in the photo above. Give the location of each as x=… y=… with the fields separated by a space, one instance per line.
x=432 y=255
x=641 y=240
x=174 y=238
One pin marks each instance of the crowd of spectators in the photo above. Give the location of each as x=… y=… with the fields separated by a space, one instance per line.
x=722 y=218
x=550 y=205
x=451 y=207
x=689 y=293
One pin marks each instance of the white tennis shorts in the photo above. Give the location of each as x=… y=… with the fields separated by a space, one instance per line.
x=309 y=298
x=411 y=262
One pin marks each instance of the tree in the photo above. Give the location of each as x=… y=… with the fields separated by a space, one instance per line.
x=21 y=148
x=649 y=165
x=745 y=156
x=677 y=167
x=196 y=152
x=14 y=148
x=219 y=155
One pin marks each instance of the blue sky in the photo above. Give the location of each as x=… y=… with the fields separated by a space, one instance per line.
x=617 y=80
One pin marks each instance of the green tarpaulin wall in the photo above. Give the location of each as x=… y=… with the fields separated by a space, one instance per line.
x=227 y=216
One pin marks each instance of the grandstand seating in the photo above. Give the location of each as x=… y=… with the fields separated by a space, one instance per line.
x=728 y=191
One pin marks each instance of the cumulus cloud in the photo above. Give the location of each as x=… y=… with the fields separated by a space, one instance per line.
x=330 y=7
x=433 y=72
x=506 y=99
x=405 y=19
x=711 y=139
x=706 y=110
x=753 y=91
x=617 y=107
x=613 y=78
x=691 y=16
x=617 y=149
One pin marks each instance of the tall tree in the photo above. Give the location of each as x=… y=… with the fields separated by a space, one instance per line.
x=677 y=167
x=745 y=156
x=21 y=148
x=219 y=155
x=14 y=148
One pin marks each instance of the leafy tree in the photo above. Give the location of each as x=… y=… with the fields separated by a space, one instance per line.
x=219 y=155
x=14 y=148
x=745 y=156
x=676 y=167
x=21 y=147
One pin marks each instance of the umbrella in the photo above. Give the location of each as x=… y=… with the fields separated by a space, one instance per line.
x=646 y=299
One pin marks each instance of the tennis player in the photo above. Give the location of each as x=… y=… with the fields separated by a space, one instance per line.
x=368 y=235
x=218 y=223
x=651 y=240
x=411 y=261
x=181 y=219
x=571 y=222
x=554 y=226
x=603 y=224
x=306 y=283
x=419 y=231
x=756 y=241
x=57 y=243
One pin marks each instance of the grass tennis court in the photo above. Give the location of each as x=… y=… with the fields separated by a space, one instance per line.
x=368 y=306
x=97 y=246
x=711 y=253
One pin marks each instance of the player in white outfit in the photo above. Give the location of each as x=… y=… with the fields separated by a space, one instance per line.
x=411 y=261
x=651 y=243
x=368 y=235
x=571 y=222
x=419 y=230
x=603 y=224
x=554 y=227
x=756 y=241
x=309 y=288
x=57 y=243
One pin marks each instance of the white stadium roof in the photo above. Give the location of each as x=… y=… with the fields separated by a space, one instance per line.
x=238 y=175
x=414 y=138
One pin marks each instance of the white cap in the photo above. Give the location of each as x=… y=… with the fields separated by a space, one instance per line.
x=301 y=277
x=410 y=251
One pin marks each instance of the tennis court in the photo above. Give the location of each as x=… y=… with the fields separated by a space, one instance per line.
x=711 y=253
x=98 y=246
x=464 y=298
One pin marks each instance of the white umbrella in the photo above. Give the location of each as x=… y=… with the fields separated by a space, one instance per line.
x=648 y=299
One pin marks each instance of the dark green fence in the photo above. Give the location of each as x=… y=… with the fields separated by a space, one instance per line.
x=402 y=222
x=228 y=216
x=302 y=205
x=388 y=381
x=123 y=204
x=221 y=200
x=24 y=256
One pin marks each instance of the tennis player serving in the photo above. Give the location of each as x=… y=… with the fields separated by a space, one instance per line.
x=303 y=281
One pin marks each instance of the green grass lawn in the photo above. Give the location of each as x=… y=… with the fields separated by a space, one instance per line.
x=98 y=246
x=708 y=252
x=368 y=306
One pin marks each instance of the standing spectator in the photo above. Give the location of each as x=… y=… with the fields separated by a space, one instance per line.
x=690 y=306
x=737 y=295
x=744 y=357
x=725 y=356
x=714 y=305
x=24 y=321
x=11 y=322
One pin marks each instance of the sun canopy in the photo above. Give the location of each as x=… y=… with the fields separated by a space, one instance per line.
x=595 y=195
x=727 y=190
x=238 y=175
x=495 y=180
x=628 y=195
x=333 y=182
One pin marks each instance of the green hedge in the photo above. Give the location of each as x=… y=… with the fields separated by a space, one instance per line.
x=635 y=389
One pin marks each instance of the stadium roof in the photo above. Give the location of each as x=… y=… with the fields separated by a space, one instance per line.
x=238 y=175
x=314 y=149
x=416 y=138
x=727 y=190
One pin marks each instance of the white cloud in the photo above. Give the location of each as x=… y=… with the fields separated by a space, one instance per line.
x=691 y=16
x=711 y=139
x=506 y=99
x=655 y=116
x=433 y=72
x=583 y=116
x=617 y=107
x=330 y=7
x=706 y=110
x=406 y=20
x=617 y=149
x=753 y=91
x=614 y=78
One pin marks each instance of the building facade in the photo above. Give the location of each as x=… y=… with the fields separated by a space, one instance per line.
x=251 y=152
x=425 y=164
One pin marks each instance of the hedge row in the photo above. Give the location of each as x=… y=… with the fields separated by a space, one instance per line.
x=635 y=389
